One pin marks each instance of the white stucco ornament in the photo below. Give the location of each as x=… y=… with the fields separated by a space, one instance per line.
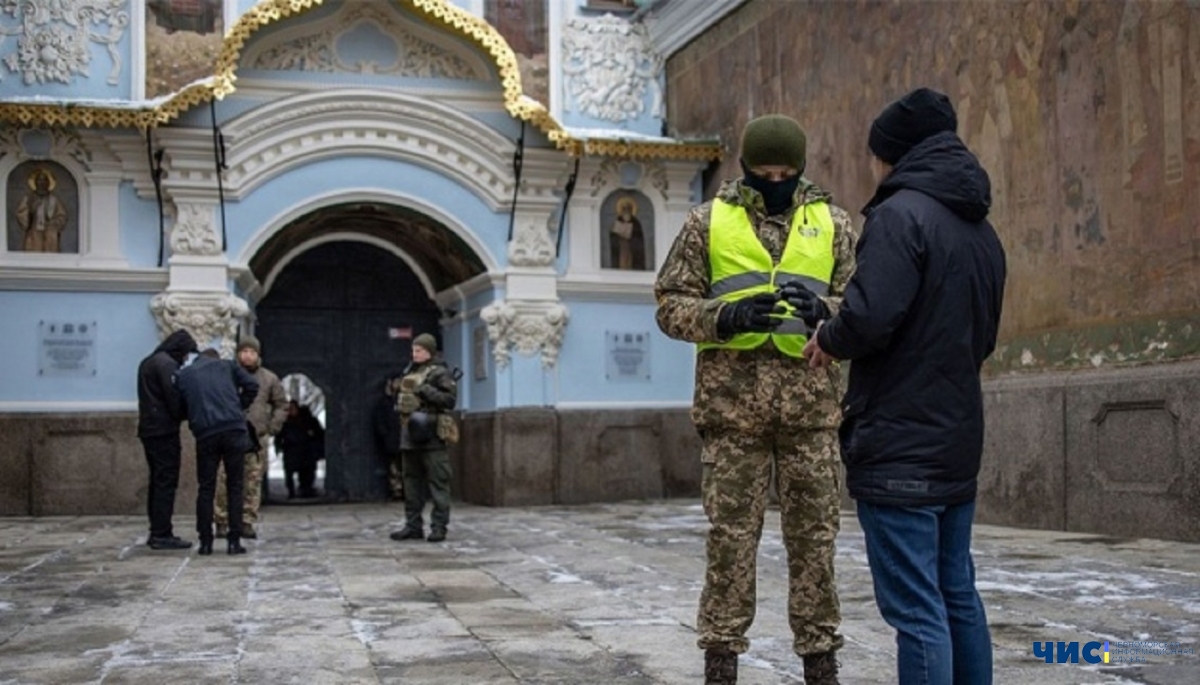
x=211 y=318
x=532 y=244
x=528 y=327
x=610 y=68
x=194 y=233
x=55 y=36
x=365 y=38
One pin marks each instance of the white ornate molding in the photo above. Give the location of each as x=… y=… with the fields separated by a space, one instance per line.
x=194 y=232
x=41 y=143
x=528 y=327
x=55 y=37
x=612 y=170
x=610 y=67
x=291 y=132
x=211 y=318
x=319 y=48
x=533 y=241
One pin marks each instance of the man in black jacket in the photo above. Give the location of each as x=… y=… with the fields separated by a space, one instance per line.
x=216 y=392
x=160 y=411
x=919 y=317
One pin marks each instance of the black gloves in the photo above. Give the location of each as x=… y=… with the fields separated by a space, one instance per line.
x=749 y=315
x=808 y=306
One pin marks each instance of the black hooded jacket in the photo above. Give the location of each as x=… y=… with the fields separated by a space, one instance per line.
x=160 y=407
x=918 y=319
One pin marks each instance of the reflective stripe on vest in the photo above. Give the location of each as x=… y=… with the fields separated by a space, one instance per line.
x=739 y=266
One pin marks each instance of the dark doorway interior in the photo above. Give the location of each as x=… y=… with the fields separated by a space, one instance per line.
x=343 y=314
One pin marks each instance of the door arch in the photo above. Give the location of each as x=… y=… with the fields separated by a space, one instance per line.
x=343 y=313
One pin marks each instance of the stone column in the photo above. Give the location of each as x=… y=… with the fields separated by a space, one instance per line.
x=197 y=297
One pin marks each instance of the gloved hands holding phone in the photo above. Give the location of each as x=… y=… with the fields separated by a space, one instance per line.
x=808 y=305
x=749 y=315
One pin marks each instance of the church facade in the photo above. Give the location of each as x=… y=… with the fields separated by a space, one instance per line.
x=335 y=178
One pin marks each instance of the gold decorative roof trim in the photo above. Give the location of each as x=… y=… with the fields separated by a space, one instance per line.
x=267 y=12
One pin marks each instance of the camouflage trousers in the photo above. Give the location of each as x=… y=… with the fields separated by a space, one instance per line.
x=255 y=464
x=736 y=477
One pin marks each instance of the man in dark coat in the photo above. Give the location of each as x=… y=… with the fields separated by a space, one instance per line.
x=215 y=393
x=918 y=319
x=160 y=411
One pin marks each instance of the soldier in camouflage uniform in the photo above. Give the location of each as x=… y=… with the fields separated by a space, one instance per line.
x=267 y=414
x=426 y=391
x=757 y=405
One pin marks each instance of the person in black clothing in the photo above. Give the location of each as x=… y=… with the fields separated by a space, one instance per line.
x=215 y=394
x=302 y=441
x=160 y=411
x=386 y=423
x=918 y=319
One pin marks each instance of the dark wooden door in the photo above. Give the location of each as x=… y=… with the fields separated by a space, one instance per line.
x=335 y=314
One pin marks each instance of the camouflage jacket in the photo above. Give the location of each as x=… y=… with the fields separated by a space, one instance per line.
x=269 y=409
x=759 y=389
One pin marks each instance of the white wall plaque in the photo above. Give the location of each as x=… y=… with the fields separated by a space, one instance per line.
x=66 y=348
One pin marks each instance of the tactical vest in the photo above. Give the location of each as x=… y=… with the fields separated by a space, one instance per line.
x=739 y=266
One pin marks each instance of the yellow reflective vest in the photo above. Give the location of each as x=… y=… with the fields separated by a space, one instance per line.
x=739 y=266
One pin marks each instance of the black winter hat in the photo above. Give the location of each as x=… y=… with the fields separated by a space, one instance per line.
x=774 y=139
x=909 y=120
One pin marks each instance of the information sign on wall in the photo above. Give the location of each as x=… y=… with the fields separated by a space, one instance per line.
x=628 y=356
x=66 y=348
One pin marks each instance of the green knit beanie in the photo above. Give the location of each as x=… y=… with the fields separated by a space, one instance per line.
x=427 y=341
x=772 y=140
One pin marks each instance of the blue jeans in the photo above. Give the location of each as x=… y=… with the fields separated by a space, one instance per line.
x=924 y=577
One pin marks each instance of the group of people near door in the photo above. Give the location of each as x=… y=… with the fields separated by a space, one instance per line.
x=233 y=409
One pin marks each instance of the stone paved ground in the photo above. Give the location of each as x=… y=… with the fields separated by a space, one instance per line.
x=574 y=595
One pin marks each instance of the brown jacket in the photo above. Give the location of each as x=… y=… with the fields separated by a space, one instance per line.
x=269 y=409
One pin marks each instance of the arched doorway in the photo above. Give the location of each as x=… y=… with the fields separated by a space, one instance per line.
x=343 y=313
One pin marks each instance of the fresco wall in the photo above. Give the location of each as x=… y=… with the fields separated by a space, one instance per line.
x=1077 y=109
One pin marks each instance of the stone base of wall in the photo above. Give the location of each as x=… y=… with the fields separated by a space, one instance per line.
x=62 y=464
x=1109 y=452
x=543 y=456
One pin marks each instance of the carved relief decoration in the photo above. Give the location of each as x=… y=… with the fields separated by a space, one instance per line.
x=55 y=36
x=412 y=55
x=194 y=233
x=54 y=143
x=532 y=243
x=527 y=327
x=610 y=168
x=610 y=67
x=211 y=318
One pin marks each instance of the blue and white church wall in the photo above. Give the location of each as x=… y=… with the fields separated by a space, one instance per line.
x=352 y=111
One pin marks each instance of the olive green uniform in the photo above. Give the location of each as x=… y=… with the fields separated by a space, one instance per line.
x=423 y=394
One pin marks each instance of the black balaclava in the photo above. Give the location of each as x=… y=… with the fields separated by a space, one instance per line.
x=777 y=195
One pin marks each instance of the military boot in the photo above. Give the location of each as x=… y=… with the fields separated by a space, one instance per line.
x=820 y=669
x=720 y=666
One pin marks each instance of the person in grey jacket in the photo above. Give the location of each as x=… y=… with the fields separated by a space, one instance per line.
x=216 y=392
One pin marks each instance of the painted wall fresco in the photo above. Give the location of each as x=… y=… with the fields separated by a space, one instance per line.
x=183 y=41
x=523 y=25
x=1077 y=109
